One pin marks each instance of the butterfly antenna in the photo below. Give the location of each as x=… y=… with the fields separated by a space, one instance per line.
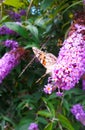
x=32 y=60
x=27 y=66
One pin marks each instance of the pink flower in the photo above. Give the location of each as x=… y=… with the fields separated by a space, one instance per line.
x=48 y=89
x=33 y=126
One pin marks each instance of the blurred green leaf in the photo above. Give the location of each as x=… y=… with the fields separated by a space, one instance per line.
x=40 y=22
x=3 y=19
x=65 y=122
x=23 y=124
x=80 y=98
x=42 y=120
x=66 y=104
x=32 y=44
x=36 y=96
x=76 y=126
x=33 y=29
x=44 y=113
x=14 y=3
x=75 y=91
x=49 y=127
x=60 y=8
x=8 y=120
x=45 y=4
x=50 y=107
x=75 y=3
x=17 y=28
x=52 y=96
x=48 y=28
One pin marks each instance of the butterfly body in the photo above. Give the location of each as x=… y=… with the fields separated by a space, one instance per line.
x=46 y=59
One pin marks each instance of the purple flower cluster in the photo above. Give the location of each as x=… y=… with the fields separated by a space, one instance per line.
x=8 y=62
x=6 y=31
x=70 y=65
x=17 y=16
x=33 y=126
x=10 y=59
x=79 y=113
x=11 y=44
x=22 y=12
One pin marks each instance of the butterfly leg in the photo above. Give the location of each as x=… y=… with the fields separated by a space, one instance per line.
x=41 y=78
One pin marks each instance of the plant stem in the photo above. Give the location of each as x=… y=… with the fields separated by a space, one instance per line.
x=28 y=9
x=1 y=11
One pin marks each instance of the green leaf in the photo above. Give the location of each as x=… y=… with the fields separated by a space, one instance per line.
x=44 y=113
x=50 y=107
x=80 y=98
x=66 y=104
x=60 y=8
x=75 y=3
x=4 y=18
x=45 y=4
x=8 y=120
x=52 y=96
x=75 y=91
x=17 y=28
x=48 y=28
x=36 y=96
x=23 y=125
x=76 y=126
x=14 y=3
x=33 y=29
x=65 y=122
x=42 y=120
x=31 y=44
x=40 y=22
x=49 y=127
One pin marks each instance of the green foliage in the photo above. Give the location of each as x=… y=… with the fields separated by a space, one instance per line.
x=49 y=127
x=22 y=100
x=14 y=3
x=34 y=31
x=65 y=122
x=17 y=28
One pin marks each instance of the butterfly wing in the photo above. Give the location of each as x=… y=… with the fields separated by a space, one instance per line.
x=46 y=59
x=39 y=54
x=50 y=61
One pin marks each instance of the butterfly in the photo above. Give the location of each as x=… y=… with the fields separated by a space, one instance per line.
x=46 y=59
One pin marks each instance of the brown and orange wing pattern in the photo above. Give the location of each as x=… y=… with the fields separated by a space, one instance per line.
x=46 y=59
